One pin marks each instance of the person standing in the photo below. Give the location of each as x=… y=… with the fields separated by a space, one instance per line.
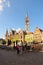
x=17 y=48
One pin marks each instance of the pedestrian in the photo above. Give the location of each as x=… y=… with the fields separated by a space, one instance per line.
x=26 y=45
x=18 y=49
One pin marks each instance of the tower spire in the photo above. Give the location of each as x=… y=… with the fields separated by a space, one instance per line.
x=26 y=22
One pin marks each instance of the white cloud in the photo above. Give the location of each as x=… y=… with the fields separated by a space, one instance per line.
x=1 y=1
x=1 y=8
x=13 y=29
x=3 y=4
x=19 y=29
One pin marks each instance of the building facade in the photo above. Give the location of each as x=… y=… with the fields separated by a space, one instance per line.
x=26 y=35
x=37 y=35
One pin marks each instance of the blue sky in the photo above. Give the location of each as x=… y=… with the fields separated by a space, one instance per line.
x=13 y=13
